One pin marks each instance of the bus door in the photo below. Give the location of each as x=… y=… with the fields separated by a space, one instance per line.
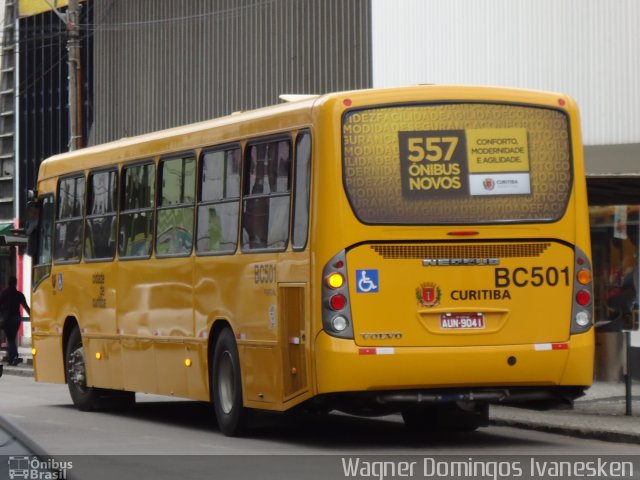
x=294 y=318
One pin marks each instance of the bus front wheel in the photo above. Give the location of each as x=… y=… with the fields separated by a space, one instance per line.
x=226 y=386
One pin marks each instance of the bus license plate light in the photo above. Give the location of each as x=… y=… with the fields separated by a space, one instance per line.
x=462 y=321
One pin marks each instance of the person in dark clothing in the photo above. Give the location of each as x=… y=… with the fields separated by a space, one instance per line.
x=10 y=301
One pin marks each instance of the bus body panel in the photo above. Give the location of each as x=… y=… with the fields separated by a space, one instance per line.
x=345 y=367
x=426 y=295
x=48 y=364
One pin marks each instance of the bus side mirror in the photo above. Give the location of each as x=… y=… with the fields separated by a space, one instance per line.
x=33 y=216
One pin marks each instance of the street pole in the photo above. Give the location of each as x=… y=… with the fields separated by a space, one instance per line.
x=628 y=377
x=73 y=61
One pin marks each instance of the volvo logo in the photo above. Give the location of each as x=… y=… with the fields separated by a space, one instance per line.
x=456 y=262
x=381 y=335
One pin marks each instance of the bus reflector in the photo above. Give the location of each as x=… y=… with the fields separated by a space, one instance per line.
x=545 y=347
x=34 y=351
x=377 y=351
x=98 y=355
x=584 y=276
x=335 y=280
x=187 y=362
x=583 y=297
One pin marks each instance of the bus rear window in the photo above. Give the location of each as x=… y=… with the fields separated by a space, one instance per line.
x=457 y=164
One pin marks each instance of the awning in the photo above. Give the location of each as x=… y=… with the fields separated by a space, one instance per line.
x=613 y=174
x=614 y=189
x=9 y=237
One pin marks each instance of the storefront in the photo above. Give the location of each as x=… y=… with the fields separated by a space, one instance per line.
x=614 y=200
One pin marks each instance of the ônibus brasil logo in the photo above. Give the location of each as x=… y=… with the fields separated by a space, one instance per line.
x=34 y=468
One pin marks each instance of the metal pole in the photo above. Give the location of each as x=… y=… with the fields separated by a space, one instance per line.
x=628 y=376
x=73 y=49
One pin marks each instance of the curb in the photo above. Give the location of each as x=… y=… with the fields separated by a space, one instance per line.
x=18 y=371
x=578 y=432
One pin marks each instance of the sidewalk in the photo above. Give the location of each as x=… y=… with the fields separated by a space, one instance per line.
x=600 y=414
x=24 y=369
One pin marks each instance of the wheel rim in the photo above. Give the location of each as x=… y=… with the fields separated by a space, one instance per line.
x=76 y=369
x=226 y=384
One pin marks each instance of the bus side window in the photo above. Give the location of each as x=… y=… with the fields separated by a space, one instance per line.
x=135 y=237
x=267 y=189
x=302 y=190
x=174 y=236
x=218 y=205
x=101 y=221
x=69 y=223
x=43 y=255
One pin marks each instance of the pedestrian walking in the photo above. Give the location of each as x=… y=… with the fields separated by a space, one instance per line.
x=10 y=301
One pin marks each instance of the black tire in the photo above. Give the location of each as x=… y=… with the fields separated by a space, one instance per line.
x=87 y=398
x=226 y=386
x=420 y=419
x=446 y=418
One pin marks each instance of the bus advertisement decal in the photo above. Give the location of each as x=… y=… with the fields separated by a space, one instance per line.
x=433 y=161
x=447 y=163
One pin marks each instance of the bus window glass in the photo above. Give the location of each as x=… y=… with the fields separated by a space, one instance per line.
x=218 y=207
x=100 y=227
x=136 y=216
x=68 y=244
x=266 y=194
x=42 y=262
x=447 y=164
x=176 y=210
x=302 y=186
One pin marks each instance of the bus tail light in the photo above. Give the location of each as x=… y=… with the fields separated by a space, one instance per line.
x=334 y=281
x=336 y=314
x=582 y=312
x=583 y=297
x=584 y=276
x=338 y=302
x=339 y=323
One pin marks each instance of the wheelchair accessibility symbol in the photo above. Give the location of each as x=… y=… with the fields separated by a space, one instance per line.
x=367 y=281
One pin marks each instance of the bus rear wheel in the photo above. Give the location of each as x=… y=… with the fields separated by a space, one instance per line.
x=226 y=386
x=84 y=397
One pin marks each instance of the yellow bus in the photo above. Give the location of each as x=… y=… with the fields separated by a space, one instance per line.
x=422 y=250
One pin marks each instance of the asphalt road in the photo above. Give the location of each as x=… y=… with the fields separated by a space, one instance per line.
x=182 y=436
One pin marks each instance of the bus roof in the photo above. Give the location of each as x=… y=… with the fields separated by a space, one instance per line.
x=293 y=114
x=171 y=140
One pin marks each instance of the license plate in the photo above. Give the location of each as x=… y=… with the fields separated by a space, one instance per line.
x=461 y=321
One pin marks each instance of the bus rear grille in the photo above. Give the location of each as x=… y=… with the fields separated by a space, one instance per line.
x=505 y=250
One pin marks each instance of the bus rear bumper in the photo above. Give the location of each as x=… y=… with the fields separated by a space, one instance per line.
x=527 y=371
